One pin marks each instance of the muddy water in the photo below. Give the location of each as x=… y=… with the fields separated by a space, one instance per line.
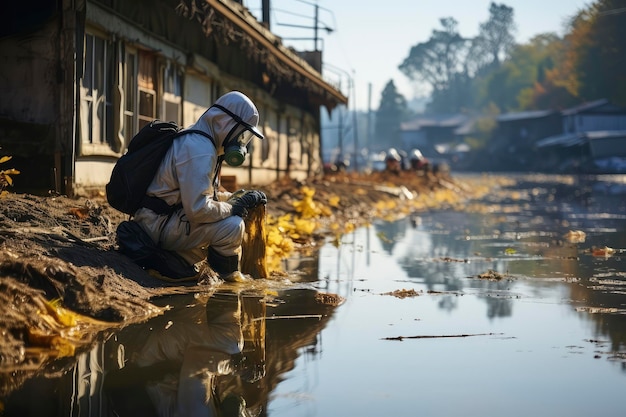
x=515 y=306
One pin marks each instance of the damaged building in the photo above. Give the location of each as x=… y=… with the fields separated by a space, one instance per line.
x=81 y=77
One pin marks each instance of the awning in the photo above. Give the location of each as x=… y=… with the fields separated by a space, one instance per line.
x=580 y=138
x=564 y=140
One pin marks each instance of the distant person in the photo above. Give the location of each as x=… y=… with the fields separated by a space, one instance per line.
x=393 y=161
x=418 y=162
x=184 y=216
x=342 y=163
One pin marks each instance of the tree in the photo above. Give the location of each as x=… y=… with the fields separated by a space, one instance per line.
x=588 y=62
x=485 y=56
x=553 y=87
x=436 y=61
x=598 y=51
x=522 y=81
x=496 y=34
x=392 y=111
x=457 y=97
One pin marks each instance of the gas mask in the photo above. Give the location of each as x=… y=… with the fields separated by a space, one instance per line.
x=237 y=139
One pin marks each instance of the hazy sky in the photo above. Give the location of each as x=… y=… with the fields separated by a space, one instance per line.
x=371 y=39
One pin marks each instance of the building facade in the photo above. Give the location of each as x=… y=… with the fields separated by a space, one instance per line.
x=81 y=77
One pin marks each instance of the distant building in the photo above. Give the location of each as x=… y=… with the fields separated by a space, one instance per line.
x=593 y=140
x=596 y=115
x=80 y=78
x=571 y=140
x=520 y=130
x=515 y=135
x=435 y=134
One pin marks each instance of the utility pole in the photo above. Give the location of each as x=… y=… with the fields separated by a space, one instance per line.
x=265 y=6
x=315 y=26
x=340 y=131
x=369 y=116
x=355 y=125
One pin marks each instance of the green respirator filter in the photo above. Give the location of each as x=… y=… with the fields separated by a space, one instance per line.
x=234 y=157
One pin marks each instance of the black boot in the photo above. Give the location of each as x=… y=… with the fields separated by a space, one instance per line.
x=135 y=243
x=225 y=266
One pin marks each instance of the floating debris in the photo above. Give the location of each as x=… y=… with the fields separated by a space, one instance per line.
x=575 y=236
x=604 y=252
x=492 y=275
x=401 y=338
x=329 y=299
x=435 y=292
x=403 y=293
x=617 y=356
x=449 y=259
x=601 y=310
x=296 y=316
x=510 y=251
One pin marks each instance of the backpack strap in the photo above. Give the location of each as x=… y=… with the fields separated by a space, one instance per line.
x=158 y=205
x=216 y=176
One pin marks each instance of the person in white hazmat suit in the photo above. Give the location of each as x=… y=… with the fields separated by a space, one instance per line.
x=204 y=223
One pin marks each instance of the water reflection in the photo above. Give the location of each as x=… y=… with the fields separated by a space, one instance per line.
x=522 y=233
x=212 y=354
x=205 y=360
x=205 y=357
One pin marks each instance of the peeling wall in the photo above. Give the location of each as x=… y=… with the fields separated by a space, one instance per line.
x=28 y=105
x=29 y=76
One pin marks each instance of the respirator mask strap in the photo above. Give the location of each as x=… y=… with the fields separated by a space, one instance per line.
x=235 y=147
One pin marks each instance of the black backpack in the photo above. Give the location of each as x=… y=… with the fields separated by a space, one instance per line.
x=134 y=171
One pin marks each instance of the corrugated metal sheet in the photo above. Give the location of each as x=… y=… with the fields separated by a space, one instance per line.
x=598 y=140
x=523 y=115
x=564 y=140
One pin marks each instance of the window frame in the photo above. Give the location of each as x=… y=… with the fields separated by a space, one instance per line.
x=97 y=95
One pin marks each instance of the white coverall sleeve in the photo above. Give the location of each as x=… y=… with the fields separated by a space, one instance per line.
x=195 y=172
x=223 y=195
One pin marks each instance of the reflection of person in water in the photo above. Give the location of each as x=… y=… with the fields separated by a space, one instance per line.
x=197 y=366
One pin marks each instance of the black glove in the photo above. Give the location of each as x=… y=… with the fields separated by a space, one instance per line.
x=244 y=200
x=240 y=211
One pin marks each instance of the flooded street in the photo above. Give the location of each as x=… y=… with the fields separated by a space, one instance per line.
x=515 y=306
x=548 y=338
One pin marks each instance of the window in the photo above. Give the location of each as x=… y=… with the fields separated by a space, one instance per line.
x=122 y=90
x=172 y=87
x=130 y=95
x=96 y=92
x=146 y=82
